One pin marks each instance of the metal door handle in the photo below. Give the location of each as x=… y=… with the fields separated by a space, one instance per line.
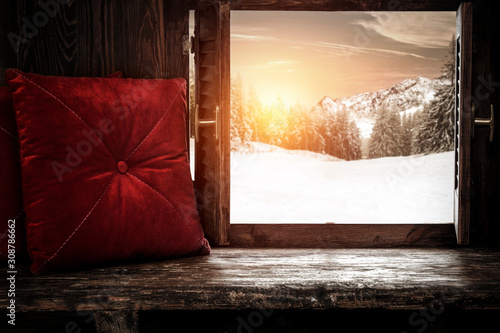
x=484 y=122
x=204 y=123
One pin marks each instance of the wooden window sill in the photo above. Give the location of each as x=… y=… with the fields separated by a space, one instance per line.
x=236 y=278
x=331 y=235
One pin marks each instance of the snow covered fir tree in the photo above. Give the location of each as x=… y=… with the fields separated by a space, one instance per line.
x=435 y=132
x=342 y=136
x=426 y=132
x=386 y=138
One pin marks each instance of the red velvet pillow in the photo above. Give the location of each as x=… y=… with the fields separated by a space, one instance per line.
x=11 y=204
x=105 y=171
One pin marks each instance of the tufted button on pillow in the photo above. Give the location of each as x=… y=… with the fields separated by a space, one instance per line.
x=122 y=167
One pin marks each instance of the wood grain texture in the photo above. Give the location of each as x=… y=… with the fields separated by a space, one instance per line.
x=177 y=26
x=206 y=157
x=485 y=182
x=140 y=38
x=96 y=37
x=342 y=235
x=7 y=26
x=116 y=321
x=273 y=278
x=48 y=42
x=225 y=124
x=338 y=5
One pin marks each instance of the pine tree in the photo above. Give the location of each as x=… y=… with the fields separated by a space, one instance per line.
x=303 y=132
x=263 y=123
x=343 y=134
x=333 y=136
x=293 y=134
x=192 y=97
x=406 y=144
x=386 y=134
x=277 y=128
x=340 y=136
x=314 y=139
x=435 y=134
x=417 y=125
x=254 y=111
x=354 y=139
x=327 y=132
x=348 y=136
x=237 y=124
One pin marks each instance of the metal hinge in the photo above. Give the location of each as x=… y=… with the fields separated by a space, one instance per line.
x=186 y=44
x=193 y=45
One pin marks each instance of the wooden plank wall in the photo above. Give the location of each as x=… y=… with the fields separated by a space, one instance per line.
x=485 y=186
x=142 y=38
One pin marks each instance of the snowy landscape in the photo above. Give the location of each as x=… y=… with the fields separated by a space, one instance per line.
x=352 y=166
x=380 y=156
x=276 y=185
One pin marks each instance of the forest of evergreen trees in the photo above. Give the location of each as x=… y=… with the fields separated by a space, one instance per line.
x=294 y=128
x=336 y=134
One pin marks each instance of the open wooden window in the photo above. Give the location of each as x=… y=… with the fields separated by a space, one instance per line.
x=212 y=169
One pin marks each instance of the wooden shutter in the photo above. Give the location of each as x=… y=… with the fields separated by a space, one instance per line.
x=212 y=152
x=463 y=122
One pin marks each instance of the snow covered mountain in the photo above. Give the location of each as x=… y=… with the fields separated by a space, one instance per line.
x=408 y=96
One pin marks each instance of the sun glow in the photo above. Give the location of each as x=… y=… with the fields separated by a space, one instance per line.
x=304 y=56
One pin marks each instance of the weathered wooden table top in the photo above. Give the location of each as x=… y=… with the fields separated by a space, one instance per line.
x=276 y=278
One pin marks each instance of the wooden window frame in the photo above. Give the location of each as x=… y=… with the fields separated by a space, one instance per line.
x=331 y=235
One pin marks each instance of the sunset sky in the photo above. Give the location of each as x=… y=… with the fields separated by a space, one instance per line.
x=304 y=56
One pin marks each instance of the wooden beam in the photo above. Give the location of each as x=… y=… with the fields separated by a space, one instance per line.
x=342 y=235
x=339 y=5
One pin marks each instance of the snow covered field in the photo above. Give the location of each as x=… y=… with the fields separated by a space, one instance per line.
x=281 y=186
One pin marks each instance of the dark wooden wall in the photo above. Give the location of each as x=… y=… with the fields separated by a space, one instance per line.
x=485 y=178
x=142 y=38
